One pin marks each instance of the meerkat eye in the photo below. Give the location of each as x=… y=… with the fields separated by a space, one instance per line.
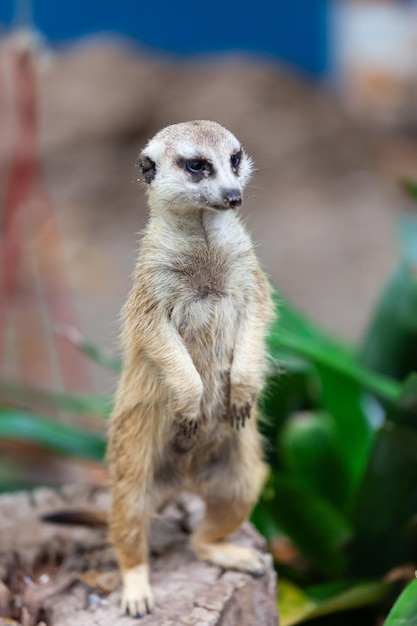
x=235 y=159
x=195 y=166
x=198 y=168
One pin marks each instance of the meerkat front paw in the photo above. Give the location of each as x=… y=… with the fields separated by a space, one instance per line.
x=239 y=415
x=242 y=400
x=188 y=415
x=137 y=597
x=188 y=423
x=188 y=428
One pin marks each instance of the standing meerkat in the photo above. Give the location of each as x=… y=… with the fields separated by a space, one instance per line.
x=194 y=357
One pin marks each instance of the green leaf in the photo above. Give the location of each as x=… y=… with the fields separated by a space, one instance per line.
x=316 y=528
x=264 y=520
x=296 y=605
x=405 y=412
x=294 y=333
x=381 y=386
x=387 y=503
x=30 y=397
x=353 y=433
x=309 y=450
x=341 y=381
x=390 y=345
x=294 y=322
x=98 y=355
x=63 y=438
x=295 y=387
x=404 y=611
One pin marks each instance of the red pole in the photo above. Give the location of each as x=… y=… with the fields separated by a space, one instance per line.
x=31 y=260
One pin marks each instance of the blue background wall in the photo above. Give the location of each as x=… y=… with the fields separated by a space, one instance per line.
x=292 y=30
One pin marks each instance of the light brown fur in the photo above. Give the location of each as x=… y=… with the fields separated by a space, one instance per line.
x=194 y=359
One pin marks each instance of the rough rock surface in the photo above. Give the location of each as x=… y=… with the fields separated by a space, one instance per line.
x=67 y=576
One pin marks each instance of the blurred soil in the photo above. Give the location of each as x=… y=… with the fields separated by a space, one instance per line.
x=321 y=206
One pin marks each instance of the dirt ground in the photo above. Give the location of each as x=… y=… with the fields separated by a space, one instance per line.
x=321 y=208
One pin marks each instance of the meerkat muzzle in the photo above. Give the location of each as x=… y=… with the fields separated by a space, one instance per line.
x=232 y=198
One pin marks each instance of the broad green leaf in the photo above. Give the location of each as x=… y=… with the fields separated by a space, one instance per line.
x=338 y=383
x=19 y=425
x=297 y=606
x=292 y=321
x=309 y=452
x=404 y=611
x=315 y=527
x=341 y=365
x=288 y=363
x=353 y=437
x=294 y=605
x=95 y=353
x=381 y=386
x=263 y=518
x=295 y=334
x=405 y=412
x=390 y=345
x=387 y=503
x=30 y=397
x=295 y=387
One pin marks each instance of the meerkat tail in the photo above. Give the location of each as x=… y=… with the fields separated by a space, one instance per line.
x=77 y=517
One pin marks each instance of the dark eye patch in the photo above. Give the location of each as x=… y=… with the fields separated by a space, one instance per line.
x=236 y=159
x=194 y=166
x=198 y=168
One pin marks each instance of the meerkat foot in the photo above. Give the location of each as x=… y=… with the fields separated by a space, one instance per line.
x=230 y=556
x=137 y=597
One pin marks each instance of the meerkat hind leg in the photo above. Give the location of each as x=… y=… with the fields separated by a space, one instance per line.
x=208 y=541
x=129 y=533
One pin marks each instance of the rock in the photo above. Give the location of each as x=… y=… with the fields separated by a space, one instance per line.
x=66 y=576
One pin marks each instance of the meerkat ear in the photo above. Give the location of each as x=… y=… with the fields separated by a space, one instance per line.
x=147 y=167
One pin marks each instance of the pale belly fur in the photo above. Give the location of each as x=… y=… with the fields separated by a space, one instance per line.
x=208 y=327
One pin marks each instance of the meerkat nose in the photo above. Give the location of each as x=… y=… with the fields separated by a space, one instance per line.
x=232 y=198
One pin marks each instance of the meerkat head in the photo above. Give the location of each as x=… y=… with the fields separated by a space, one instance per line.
x=197 y=165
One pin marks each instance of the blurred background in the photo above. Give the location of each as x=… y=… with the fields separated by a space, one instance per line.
x=322 y=94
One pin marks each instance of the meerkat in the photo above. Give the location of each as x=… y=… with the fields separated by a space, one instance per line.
x=193 y=335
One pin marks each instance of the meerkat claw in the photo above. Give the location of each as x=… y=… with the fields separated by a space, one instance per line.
x=189 y=429
x=137 y=600
x=149 y=609
x=233 y=416
x=239 y=416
